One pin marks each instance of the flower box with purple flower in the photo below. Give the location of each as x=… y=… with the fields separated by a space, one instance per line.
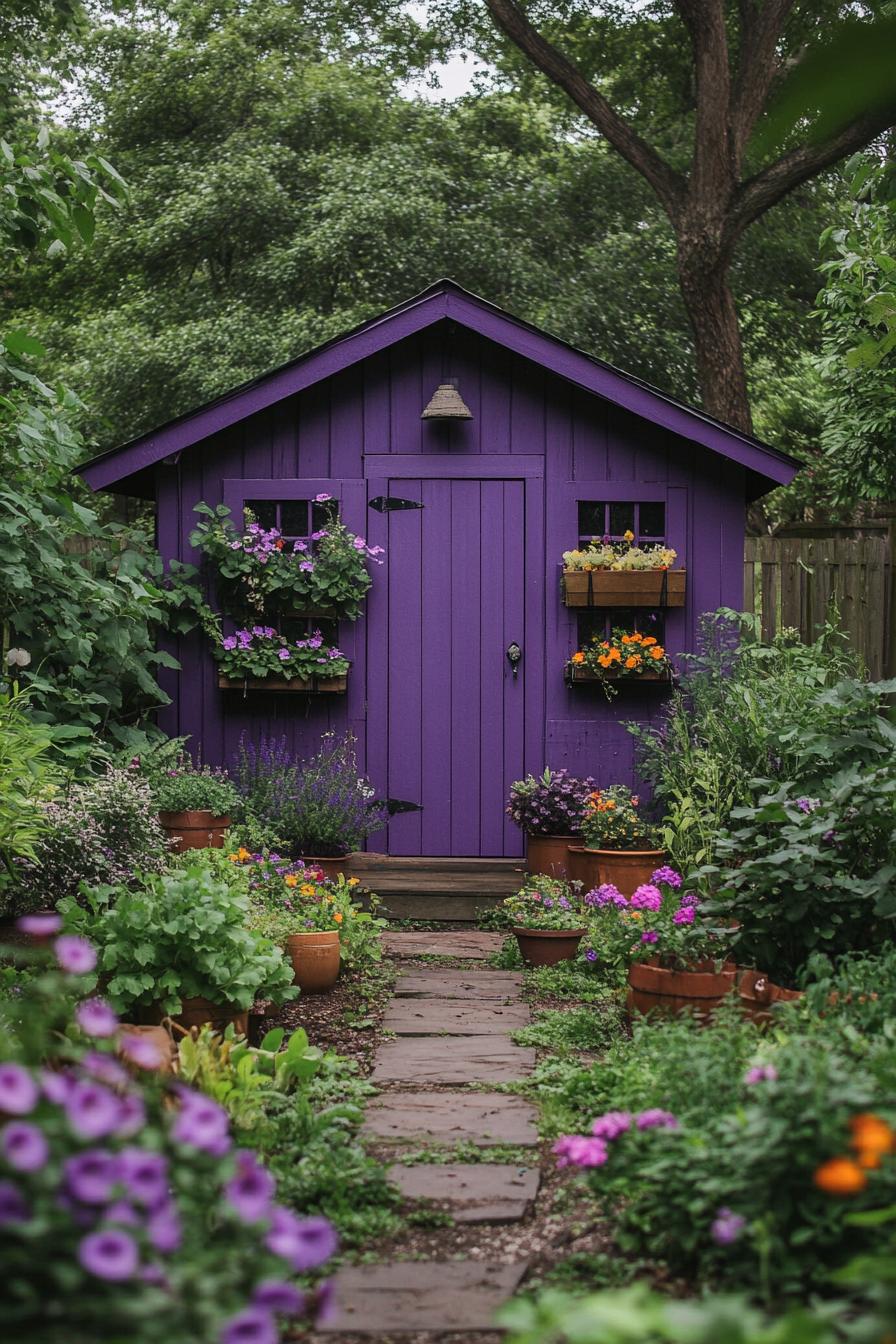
x=261 y=659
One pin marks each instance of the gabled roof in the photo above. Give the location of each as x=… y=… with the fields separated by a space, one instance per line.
x=766 y=466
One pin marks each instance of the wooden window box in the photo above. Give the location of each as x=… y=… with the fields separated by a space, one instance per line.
x=583 y=676
x=302 y=685
x=624 y=587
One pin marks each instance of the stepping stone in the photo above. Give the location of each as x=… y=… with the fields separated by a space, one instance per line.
x=443 y=1119
x=471 y=946
x=476 y=1192
x=405 y=1296
x=434 y=982
x=466 y=1059
x=436 y=1017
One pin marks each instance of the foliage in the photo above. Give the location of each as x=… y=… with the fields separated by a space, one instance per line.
x=750 y=712
x=578 y=980
x=127 y=1211
x=626 y=654
x=614 y=820
x=241 y=1077
x=570 y=1030
x=553 y=804
x=657 y=922
x=856 y=991
x=619 y=555
x=24 y=776
x=180 y=934
x=320 y=806
x=803 y=875
x=99 y=831
x=261 y=652
x=259 y=571
x=185 y=787
x=546 y=903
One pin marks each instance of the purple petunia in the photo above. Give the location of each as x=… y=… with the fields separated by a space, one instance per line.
x=761 y=1073
x=727 y=1227
x=75 y=955
x=39 y=926
x=647 y=897
x=649 y=936
x=13 y=1208
x=304 y=1243
x=55 y=1086
x=667 y=875
x=254 y=1325
x=201 y=1123
x=96 y=1018
x=24 y=1146
x=251 y=1190
x=131 y=1115
x=142 y=1051
x=229 y=643
x=144 y=1176
x=611 y=1125
x=163 y=1229
x=93 y=1111
x=275 y=1295
x=580 y=1150
x=18 y=1090
x=655 y=1118
x=590 y=954
x=109 y=1254
x=91 y=1176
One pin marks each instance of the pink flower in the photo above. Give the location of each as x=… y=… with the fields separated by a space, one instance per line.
x=611 y=1125
x=647 y=897
x=75 y=955
x=580 y=1150
x=761 y=1073
x=39 y=926
x=96 y=1018
x=684 y=916
x=655 y=1118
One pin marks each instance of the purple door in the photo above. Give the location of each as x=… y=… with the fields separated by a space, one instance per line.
x=446 y=717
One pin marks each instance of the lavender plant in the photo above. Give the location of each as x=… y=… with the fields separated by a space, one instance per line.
x=555 y=803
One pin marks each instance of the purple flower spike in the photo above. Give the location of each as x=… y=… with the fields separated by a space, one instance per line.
x=667 y=875
x=13 y=1208
x=255 y=1325
x=685 y=915
x=251 y=1190
x=75 y=955
x=647 y=897
x=18 y=1090
x=24 y=1146
x=96 y=1018
x=110 y=1254
x=727 y=1227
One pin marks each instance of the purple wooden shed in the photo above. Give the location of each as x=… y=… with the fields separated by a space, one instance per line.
x=560 y=445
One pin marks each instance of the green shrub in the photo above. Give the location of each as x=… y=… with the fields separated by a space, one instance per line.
x=24 y=776
x=185 y=787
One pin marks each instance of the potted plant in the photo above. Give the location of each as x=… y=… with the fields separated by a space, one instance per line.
x=195 y=804
x=619 y=574
x=550 y=810
x=547 y=920
x=176 y=945
x=619 y=840
x=259 y=659
x=626 y=656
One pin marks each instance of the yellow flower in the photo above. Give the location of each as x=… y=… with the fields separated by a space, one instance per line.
x=628 y=536
x=234 y=858
x=243 y=854
x=306 y=889
x=291 y=880
x=353 y=881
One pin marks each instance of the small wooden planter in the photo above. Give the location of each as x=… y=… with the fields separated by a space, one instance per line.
x=302 y=685
x=758 y=995
x=624 y=587
x=548 y=854
x=196 y=1011
x=547 y=947
x=194 y=830
x=699 y=989
x=577 y=675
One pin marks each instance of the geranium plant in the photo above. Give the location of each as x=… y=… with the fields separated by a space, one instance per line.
x=553 y=804
x=126 y=1212
x=627 y=654
x=546 y=903
x=614 y=820
x=185 y=787
x=258 y=568
x=260 y=652
x=180 y=934
x=657 y=922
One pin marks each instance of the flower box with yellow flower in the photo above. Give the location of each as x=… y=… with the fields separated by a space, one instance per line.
x=625 y=656
x=620 y=574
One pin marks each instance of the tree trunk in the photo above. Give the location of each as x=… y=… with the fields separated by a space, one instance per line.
x=718 y=348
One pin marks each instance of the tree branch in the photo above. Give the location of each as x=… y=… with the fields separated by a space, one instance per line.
x=713 y=170
x=768 y=186
x=757 y=69
x=666 y=182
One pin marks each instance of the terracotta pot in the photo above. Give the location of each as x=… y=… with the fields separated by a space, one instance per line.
x=545 y=947
x=196 y=1011
x=548 y=854
x=627 y=868
x=315 y=960
x=159 y=1038
x=194 y=830
x=582 y=866
x=700 y=988
x=758 y=995
x=331 y=867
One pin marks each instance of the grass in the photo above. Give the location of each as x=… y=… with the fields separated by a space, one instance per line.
x=568 y=1031
x=470 y=1152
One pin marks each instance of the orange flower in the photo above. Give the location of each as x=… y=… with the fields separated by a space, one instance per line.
x=242 y=854
x=604 y=660
x=647 y=641
x=657 y=652
x=633 y=660
x=307 y=889
x=291 y=880
x=604 y=644
x=278 y=545
x=636 y=638
x=871 y=1139
x=840 y=1176
x=615 y=656
x=578 y=657
x=337 y=917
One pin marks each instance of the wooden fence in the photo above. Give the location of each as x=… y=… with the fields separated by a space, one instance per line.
x=799 y=581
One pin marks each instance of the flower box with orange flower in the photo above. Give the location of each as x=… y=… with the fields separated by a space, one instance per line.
x=625 y=656
x=620 y=574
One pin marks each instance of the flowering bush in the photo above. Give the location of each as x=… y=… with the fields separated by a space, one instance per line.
x=626 y=654
x=553 y=804
x=125 y=1210
x=613 y=820
x=258 y=568
x=100 y=831
x=184 y=787
x=180 y=934
x=320 y=806
x=261 y=652
x=545 y=903
x=657 y=922
x=618 y=555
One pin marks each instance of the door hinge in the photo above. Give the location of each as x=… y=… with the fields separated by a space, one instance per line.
x=391 y=504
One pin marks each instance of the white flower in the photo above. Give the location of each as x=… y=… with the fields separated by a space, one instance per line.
x=18 y=658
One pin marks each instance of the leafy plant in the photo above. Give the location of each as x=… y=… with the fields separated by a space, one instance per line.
x=242 y=1077
x=657 y=922
x=626 y=654
x=180 y=934
x=261 y=652
x=185 y=787
x=613 y=820
x=546 y=903
x=553 y=804
x=25 y=774
x=619 y=555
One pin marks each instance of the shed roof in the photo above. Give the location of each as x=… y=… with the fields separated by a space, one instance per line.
x=117 y=467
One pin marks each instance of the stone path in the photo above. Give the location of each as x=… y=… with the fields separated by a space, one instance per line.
x=453 y=1035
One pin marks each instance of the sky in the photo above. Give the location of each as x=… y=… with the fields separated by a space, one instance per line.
x=455 y=75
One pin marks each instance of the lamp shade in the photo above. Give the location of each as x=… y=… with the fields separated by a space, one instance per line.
x=446 y=403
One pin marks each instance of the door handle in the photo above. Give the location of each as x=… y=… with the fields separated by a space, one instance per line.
x=514 y=655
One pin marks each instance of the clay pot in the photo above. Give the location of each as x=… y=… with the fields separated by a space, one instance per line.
x=331 y=867
x=196 y=1011
x=582 y=866
x=548 y=854
x=700 y=988
x=159 y=1038
x=627 y=869
x=194 y=830
x=758 y=995
x=545 y=947
x=315 y=960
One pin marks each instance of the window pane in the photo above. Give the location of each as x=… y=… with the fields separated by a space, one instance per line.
x=321 y=514
x=622 y=519
x=294 y=518
x=652 y=520
x=592 y=518
x=263 y=510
